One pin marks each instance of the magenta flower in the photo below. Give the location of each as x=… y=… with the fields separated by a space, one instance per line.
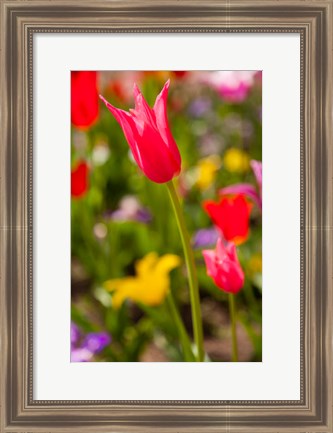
x=223 y=266
x=148 y=134
x=233 y=86
x=247 y=189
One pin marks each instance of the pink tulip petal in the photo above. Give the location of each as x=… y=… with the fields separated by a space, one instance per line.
x=231 y=276
x=153 y=148
x=223 y=267
x=138 y=119
x=153 y=153
x=221 y=250
x=163 y=124
x=231 y=251
x=210 y=260
x=148 y=159
x=126 y=122
x=142 y=108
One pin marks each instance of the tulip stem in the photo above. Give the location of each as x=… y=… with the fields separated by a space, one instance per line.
x=184 y=338
x=192 y=274
x=232 y=310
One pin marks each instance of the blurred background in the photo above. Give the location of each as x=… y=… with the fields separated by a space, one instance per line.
x=118 y=216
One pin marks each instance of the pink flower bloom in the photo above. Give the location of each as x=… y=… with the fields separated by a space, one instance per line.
x=247 y=189
x=233 y=86
x=223 y=266
x=148 y=134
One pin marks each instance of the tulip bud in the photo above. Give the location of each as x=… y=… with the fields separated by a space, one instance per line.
x=148 y=134
x=223 y=266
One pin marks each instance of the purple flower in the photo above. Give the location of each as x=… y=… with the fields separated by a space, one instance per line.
x=75 y=334
x=143 y=216
x=199 y=107
x=254 y=193
x=96 y=341
x=131 y=210
x=83 y=348
x=205 y=238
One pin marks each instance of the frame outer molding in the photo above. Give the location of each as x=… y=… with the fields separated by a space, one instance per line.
x=19 y=21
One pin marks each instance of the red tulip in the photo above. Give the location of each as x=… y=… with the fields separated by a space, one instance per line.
x=231 y=215
x=84 y=98
x=180 y=74
x=148 y=134
x=223 y=266
x=79 y=180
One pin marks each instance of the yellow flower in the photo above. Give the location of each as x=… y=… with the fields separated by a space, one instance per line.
x=206 y=171
x=151 y=283
x=236 y=160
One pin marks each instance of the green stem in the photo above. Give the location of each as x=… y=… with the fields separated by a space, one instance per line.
x=184 y=338
x=232 y=309
x=191 y=269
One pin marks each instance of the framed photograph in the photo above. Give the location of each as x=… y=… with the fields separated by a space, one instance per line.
x=166 y=175
x=127 y=249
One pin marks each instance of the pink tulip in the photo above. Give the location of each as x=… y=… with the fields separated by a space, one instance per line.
x=233 y=86
x=223 y=266
x=148 y=134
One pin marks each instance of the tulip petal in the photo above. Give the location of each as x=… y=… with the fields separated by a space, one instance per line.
x=242 y=188
x=231 y=215
x=213 y=210
x=146 y=265
x=163 y=124
x=230 y=277
x=79 y=180
x=142 y=108
x=156 y=160
x=129 y=128
x=221 y=250
x=122 y=288
x=210 y=260
x=153 y=148
x=223 y=266
x=152 y=151
x=231 y=251
x=166 y=263
x=151 y=283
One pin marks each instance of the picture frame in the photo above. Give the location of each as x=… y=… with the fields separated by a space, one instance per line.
x=21 y=20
